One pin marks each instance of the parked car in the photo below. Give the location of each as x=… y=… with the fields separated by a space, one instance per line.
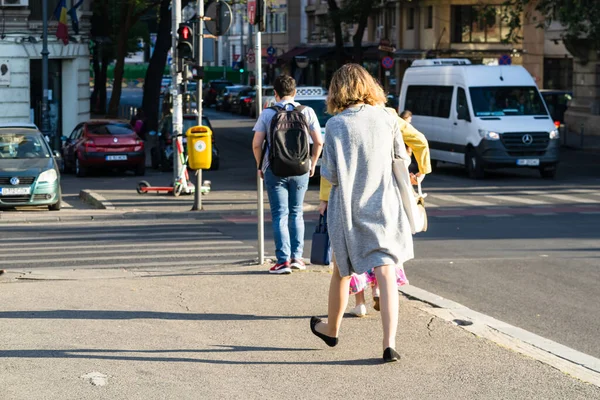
x=162 y=154
x=557 y=102
x=226 y=97
x=242 y=103
x=214 y=87
x=100 y=144
x=29 y=172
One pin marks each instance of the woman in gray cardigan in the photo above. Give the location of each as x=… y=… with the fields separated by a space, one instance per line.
x=365 y=215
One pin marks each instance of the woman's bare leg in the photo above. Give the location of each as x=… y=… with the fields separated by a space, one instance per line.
x=360 y=298
x=386 y=278
x=338 y=300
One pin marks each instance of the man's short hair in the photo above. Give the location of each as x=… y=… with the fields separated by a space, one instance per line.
x=405 y=114
x=284 y=85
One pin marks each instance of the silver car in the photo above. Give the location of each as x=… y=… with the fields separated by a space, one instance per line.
x=29 y=173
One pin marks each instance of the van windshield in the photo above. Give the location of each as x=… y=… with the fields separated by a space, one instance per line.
x=506 y=101
x=320 y=108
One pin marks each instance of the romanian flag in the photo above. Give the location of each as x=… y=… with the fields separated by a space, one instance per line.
x=60 y=12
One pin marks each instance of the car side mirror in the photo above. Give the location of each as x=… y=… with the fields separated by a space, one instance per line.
x=56 y=153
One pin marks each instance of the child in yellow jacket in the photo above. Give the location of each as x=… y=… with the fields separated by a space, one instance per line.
x=417 y=143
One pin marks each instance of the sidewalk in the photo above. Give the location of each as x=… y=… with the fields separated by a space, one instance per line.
x=238 y=333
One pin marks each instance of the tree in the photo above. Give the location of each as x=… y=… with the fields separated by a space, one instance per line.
x=130 y=12
x=356 y=12
x=152 y=83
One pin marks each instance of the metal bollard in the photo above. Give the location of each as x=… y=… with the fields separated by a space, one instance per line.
x=581 y=137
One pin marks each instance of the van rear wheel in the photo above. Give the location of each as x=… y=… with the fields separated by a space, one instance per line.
x=474 y=165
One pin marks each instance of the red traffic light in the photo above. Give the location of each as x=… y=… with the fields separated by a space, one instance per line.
x=185 y=33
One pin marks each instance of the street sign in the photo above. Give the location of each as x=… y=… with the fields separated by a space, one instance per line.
x=250 y=58
x=387 y=62
x=271 y=59
x=220 y=16
x=271 y=51
x=250 y=52
x=235 y=65
x=505 y=59
x=236 y=57
x=252 y=12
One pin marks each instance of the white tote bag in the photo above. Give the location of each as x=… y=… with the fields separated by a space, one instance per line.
x=412 y=202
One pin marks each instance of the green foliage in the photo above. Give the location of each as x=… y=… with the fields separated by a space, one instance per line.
x=581 y=18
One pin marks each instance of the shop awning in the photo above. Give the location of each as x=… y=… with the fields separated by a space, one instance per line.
x=403 y=54
x=290 y=54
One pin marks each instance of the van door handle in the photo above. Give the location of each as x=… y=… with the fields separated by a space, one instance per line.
x=456 y=123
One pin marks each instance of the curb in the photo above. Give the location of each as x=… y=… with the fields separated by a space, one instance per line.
x=95 y=200
x=563 y=358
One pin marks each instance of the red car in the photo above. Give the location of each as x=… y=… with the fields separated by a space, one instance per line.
x=99 y=144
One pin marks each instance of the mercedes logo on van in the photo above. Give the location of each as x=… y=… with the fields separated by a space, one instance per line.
x=527 y=139
x=14 y=181
x=115 y=140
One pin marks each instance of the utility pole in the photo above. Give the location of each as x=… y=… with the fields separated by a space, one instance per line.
x=176 y=93
x=200 y=37
x=259 y=181
x=45 y=53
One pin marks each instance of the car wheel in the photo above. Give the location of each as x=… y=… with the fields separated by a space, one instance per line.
x=80 y=170
x=474 y=165
x=434 y=165
x=55 y=207
x=548 y=172
x=140 y=170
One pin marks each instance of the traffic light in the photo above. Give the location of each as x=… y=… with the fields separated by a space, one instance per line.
x=242 y=67
x=186 y=41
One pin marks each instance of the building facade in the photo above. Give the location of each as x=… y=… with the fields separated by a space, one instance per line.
x=472 y=29
x=68 y=67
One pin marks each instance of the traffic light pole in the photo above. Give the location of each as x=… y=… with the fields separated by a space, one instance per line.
x=200 y=37
x=176 y=93
x=259 y=181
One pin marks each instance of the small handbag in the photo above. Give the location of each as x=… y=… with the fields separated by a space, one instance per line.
x=412 y=202
x=320 y=252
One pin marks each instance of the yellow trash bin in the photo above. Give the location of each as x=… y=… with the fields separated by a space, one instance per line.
x=199 y=147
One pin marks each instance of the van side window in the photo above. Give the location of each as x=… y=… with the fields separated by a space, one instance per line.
x=462 y=106
x=429 y=101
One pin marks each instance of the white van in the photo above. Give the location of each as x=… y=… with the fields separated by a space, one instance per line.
x=480 y=116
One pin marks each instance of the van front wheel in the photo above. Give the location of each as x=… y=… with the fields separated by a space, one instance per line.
x=474 y=165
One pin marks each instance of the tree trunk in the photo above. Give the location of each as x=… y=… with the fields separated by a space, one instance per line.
x=336 y=20
x=152 y=82
x=126 y=23
x=101 y=85
x=96 y=67
x=360 y=31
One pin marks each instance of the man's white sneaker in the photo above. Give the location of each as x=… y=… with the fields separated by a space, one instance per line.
x=297 y=264
x=359 y=311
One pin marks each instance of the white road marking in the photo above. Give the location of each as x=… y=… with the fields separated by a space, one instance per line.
x=450 y=199
x=516 y=199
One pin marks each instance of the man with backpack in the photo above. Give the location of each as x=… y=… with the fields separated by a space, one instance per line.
x=282 y=152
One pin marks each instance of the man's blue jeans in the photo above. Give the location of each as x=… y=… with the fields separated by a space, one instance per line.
x=286 y=197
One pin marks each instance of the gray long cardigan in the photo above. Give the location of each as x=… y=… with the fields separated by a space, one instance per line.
x=367 y=225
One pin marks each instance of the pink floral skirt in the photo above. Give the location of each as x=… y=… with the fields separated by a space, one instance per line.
x=358 y=283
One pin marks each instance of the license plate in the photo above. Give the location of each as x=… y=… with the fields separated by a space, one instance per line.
x=14 y=191
x=116 y=158
x=528 y=162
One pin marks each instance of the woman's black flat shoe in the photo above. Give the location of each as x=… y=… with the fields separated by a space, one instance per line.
x=329 y=341
x=390 y=355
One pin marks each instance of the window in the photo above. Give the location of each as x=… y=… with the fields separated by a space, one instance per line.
x=478 y=24
x=506 y=101
x=429 y=24
x=462 y=105
x=277 y=22
x=410 y=24
x=429 y=101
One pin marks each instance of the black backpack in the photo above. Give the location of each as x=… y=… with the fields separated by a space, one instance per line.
x=289 y=149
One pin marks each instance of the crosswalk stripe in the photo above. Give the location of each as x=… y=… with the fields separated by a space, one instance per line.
x=165 y=264
x=515 y=199
x=112 y=236
x=449 y=199
x=131 y=250
x=567 y=198
x=199 y=244
x=133 y=257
